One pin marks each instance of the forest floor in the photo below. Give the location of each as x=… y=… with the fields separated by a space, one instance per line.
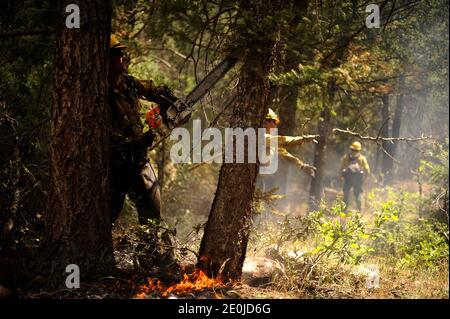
x=150 y=274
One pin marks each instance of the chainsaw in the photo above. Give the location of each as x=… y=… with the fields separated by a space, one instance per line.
x=172 y=111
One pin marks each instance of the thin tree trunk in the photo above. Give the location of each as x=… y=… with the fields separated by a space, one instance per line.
x=224 y=244
x=78 y=225
x=397 y=122
x=287 y=95
x=324 y=127
x=416 y=129
x=315 y=192
x=386 y=164
x=286 y=101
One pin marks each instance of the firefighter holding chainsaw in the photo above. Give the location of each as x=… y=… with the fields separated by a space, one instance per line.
x=354 y=170
x=131 y=171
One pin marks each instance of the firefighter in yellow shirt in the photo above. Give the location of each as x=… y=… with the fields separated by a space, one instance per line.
x=354 y=170
x=284 y=142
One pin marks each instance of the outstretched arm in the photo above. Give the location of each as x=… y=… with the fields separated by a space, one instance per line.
x=286 y=141
x=308 y=169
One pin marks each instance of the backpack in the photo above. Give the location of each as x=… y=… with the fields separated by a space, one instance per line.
x=353 y=169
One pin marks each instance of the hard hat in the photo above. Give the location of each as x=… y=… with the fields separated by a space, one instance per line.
x=271 y=115
x=356 y=146
x=115 y=44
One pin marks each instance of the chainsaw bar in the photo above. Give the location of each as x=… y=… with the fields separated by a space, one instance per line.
x=182 y=109
x=210 y=80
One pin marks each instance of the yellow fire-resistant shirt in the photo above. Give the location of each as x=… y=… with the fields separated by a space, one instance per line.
x=283 y=142
x=362 y=161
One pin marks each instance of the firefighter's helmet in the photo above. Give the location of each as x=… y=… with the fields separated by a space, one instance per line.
x=356 y=146
x=271 y=115
x=115 y=44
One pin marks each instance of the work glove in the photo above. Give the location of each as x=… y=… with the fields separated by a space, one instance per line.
x=165 y=91
x=310 y=170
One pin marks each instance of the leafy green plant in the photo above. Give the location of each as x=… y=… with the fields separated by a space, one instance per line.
x=425 y=245
x=339 y=235
x=436 y=171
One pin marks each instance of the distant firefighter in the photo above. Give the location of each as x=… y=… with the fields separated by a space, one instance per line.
x=354 y=169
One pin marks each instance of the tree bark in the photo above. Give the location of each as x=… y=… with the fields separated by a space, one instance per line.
x=78 y=225
x=397 y=123
x=224 y=244
x=287 y=95
x=324 y=128
x=386 y=163
x=333 y=60
x=396 y=126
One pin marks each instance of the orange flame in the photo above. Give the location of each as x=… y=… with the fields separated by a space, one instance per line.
x=153 y=285
x=193 y=283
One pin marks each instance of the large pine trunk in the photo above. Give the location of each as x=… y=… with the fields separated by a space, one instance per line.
x=78 y=225
x=224 y=244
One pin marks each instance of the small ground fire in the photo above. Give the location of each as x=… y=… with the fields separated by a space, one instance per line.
x=193 y=283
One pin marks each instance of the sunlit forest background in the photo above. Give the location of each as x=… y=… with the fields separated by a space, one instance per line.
x=330 y=72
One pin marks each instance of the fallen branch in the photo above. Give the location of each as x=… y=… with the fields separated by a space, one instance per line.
x=379 y=138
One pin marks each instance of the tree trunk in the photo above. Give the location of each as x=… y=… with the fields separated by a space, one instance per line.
x=396 y=126
x=287 y=103
x=224 y=244
x=315 y=192
x=78 y=225
x=336 y=59
x=287 y=95
x=397 y=123
x=386 y=164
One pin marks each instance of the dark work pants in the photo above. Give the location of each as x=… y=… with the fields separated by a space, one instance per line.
x=354 y=182
x=132 y=174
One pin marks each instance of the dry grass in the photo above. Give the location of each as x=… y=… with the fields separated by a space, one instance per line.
x=330 y=279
